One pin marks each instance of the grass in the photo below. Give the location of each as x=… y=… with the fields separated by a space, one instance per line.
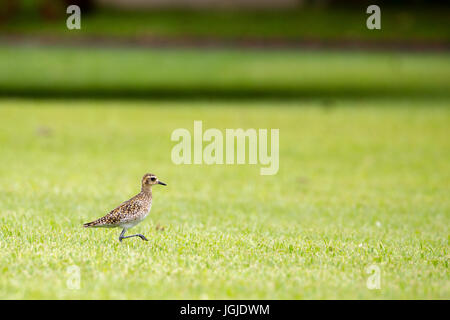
x=362 y=183
x=398 y=23
x=50 y=71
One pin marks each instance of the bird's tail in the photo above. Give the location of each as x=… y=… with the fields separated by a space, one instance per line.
x=92 y=224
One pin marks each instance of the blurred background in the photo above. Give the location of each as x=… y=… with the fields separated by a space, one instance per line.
x=218 y=48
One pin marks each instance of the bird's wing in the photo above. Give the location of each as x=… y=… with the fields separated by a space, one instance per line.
x=127 y=210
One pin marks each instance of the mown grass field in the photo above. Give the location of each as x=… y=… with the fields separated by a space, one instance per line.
x=361 y=182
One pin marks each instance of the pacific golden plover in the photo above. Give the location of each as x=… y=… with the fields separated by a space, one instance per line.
x=131 y=212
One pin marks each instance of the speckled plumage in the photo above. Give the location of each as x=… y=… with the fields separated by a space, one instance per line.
x=130 y=212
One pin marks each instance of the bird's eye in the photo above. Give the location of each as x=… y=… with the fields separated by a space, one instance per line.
x=153 y=178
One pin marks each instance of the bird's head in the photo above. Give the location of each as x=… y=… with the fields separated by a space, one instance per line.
x=150 y=179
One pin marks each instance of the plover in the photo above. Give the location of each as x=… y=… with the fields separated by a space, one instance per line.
x=131 y=212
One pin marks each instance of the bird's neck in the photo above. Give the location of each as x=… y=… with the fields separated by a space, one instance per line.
x=147 y=190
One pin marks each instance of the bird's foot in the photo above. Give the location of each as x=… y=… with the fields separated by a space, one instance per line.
x=142 y=237
x=121 y=237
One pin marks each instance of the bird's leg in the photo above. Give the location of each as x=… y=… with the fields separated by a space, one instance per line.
x=136 y=235
x=133 y=235
x=121 y=234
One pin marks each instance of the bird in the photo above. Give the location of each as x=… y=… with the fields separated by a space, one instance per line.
x=130 y=212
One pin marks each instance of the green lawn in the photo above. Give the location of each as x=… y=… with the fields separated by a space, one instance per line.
x=169 y=73
x=363 y=182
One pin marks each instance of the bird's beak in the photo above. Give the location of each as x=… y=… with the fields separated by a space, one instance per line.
x=160 y=182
